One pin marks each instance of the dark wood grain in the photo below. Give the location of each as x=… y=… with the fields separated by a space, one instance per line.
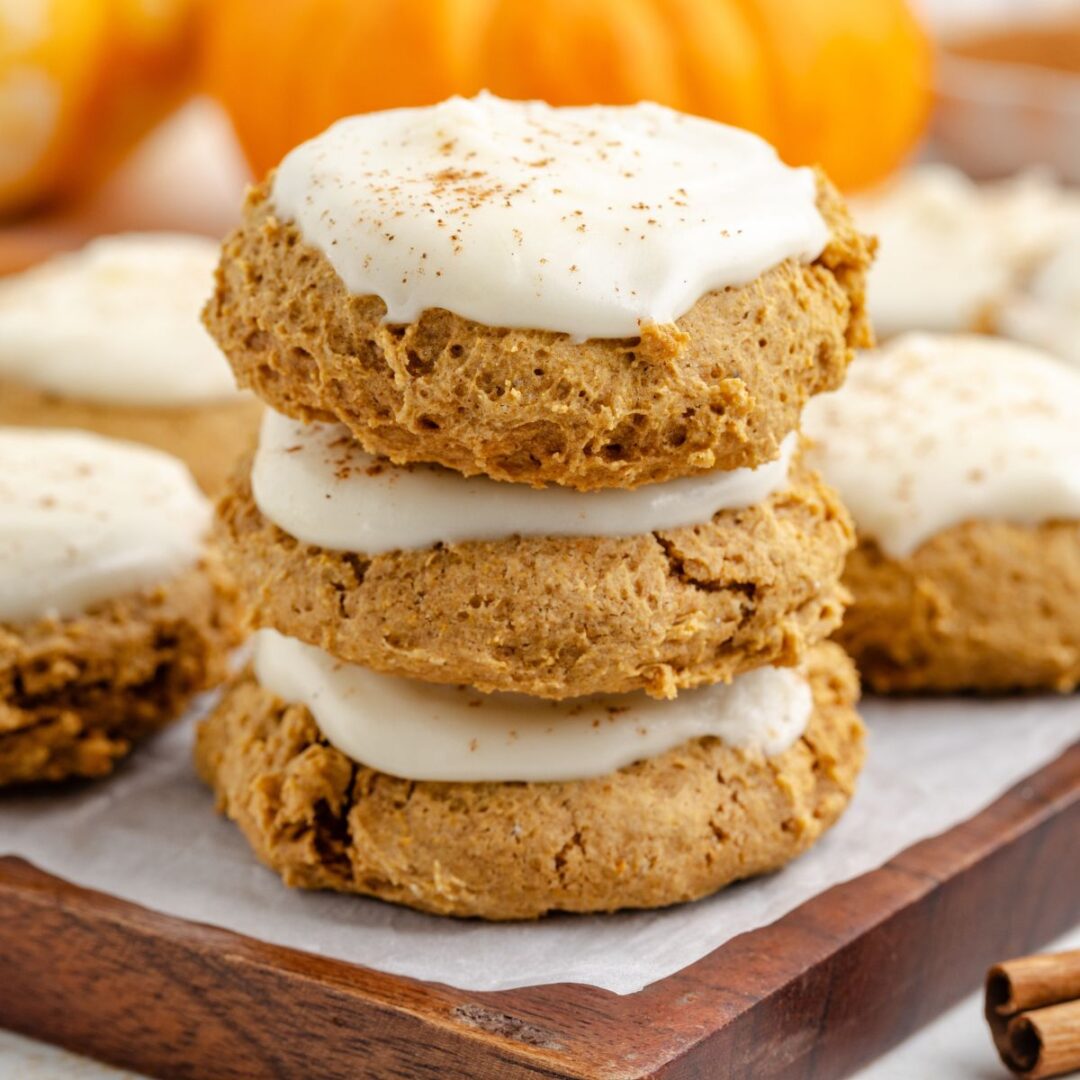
x=816 y=994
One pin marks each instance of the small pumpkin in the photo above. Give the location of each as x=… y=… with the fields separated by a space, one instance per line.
x=80 y=82
x=841 y=82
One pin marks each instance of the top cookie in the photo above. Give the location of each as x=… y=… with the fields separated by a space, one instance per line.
x=596 y=297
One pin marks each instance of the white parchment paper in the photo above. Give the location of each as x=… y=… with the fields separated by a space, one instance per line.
x=150 y=835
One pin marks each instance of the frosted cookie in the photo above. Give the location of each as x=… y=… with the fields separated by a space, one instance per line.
x=950 y=249
x=959 y=458
x=591 y=297
x=112 y=612
x=419 y=571
x=1044 y=309
x=109 y=339
x=527 y=807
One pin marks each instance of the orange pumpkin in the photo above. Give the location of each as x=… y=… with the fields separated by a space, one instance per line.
x=841 y=82
x=80 y=82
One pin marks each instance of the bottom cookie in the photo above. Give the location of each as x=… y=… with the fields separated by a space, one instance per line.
x=985 y=606
x=76 y=694
x=664 y=830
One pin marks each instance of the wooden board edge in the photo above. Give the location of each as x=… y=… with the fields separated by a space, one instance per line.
x=968 y=900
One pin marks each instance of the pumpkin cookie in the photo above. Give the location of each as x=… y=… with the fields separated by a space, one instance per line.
x=951 y=250
x=112 y=612
x=567 y=299
x=986 y=605
x=547 y=614
x=76 y=694
x=958 y=458
x=108 y=339
x=1044 y=308
x=672 y=827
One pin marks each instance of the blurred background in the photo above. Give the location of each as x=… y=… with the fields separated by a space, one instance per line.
x=151 y=114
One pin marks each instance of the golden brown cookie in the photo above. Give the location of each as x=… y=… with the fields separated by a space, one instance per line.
x=717 y=390
x=987 y=606
x=560 y=616
x=207 y=437
x=77 y=693
x=668 y=829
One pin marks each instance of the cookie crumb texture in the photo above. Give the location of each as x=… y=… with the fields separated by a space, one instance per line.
x=719 y=389
x=560 y=617
x=984 y=606
x=77 y=694
x=669 y=829
x=208 y=437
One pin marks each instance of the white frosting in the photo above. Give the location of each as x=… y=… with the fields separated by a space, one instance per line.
x=85 y=519
x=950 y=247
x=589 y=221
x=1047 y=312
x=934 y=430
x=423 y=731
x=315 y=482
x=117 y=322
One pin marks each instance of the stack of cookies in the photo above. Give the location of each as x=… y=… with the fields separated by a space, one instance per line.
x=540 y=579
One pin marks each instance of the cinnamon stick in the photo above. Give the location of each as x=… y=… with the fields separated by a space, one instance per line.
x=1044 y=1042
x=1033 y=1009
x=1032 y=982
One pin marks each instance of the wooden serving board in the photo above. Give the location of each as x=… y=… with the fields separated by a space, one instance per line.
x=816 y=994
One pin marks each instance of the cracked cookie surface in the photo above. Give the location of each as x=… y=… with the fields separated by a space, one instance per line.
x=76 y=694
x=560 y=616
x=718 y=389
x=986 y=605
x=664 y=830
